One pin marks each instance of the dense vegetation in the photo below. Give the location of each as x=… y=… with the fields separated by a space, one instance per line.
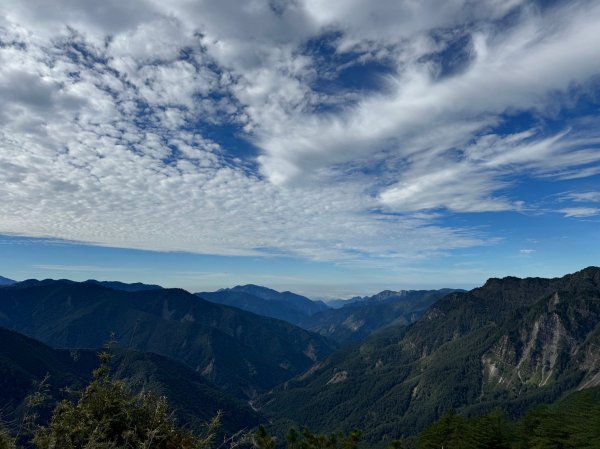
x=572 y=423
x=108 y=416
x=25 y=362
x=511 y=343
x=241 y=352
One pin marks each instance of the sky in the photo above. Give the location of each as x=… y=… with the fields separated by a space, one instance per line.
x=334 y=147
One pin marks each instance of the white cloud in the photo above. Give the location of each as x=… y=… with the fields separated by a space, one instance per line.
x=100 y=144
x=580 y=212
x=516 y=71
x=582 y=197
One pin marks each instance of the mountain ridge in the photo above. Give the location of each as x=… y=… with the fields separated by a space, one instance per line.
x=25 y=361
x=287 y=306
x=356 y=321
x=128 y=287
x=242 y=352
x=302 y=303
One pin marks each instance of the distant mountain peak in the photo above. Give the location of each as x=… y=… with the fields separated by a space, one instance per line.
x=256 y=290
x=30 y=283
x=385 y=294
x=287 y=306
x=6 y=281
x=357 y=318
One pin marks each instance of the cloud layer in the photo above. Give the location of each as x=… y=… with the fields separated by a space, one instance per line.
x=336 y=130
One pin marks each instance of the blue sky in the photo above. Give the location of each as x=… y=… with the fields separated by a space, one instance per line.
x=333 y=148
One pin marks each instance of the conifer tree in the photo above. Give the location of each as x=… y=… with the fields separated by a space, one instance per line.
x=108 y=416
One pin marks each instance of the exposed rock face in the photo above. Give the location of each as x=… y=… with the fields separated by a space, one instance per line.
x=209 y=369
x=310 y=352
x=340 y=376
x=532 y=358
x=553 y=339
x=591 y=364
x=352 y=323
x=543 y=346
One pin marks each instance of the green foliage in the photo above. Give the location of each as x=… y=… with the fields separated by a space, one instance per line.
x=262 y=439
x=6 y=440
x=449 y=431
x=108 y=416
x=397 y=445
x=573 y=423
x=24 y=362
x=308 y=440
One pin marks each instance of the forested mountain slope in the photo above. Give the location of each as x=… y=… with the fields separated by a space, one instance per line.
x=240 y=351
x=511 y=343
x=360 y=318
x=25 y=362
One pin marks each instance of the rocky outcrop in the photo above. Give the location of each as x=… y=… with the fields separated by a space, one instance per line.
x=555 y=338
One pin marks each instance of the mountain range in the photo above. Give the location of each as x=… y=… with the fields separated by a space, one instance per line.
x=510 y=343
x=286 y=306
x=243 y=353
x=25 y=362
x=356 y=319
x=361 y=317
x=406 y=357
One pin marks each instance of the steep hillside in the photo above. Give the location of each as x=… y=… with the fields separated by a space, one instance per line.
x=511 y=343
x=264 y=301
x=571 y=422
x=359 y=319
x=24 y=361
x=237 y=350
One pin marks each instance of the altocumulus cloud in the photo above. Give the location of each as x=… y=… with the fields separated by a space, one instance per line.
x=232 y=128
